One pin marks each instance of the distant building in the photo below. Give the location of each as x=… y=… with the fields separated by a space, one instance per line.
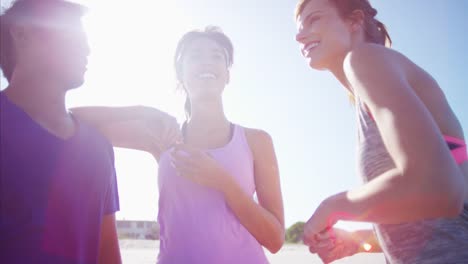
x=138 y=229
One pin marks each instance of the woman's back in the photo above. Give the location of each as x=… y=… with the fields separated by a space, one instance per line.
x=433 y=98
x=431 y=241
x=429 y=93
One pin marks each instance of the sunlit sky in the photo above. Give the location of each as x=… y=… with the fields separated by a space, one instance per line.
x=306 y=112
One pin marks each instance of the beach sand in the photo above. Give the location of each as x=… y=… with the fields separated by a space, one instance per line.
x=146 y=251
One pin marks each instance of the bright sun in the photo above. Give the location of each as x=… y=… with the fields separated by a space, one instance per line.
x=132 y=45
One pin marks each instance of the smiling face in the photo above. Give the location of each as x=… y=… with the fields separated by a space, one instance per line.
x=325 y=37
x=204 y=69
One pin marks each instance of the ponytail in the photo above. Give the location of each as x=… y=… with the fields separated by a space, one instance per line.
x=384 y=36
x=187 y=107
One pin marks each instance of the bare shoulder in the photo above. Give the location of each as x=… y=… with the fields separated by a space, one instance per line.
x=371 y=56
x=258 y=139
x=375 y=72
x=264 y=156
x=256 y=134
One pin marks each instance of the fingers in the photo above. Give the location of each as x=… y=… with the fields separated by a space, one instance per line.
x=326 y=234
x=311 y=238
x=188 y=173
x=308 y=239
x=181 y=159
x=327 y=257
x=325 y=245
x=156 y=153
x=171 y=133
x=338 y=252
x=182 y=155
x=321 y=242
x=330 y=244
x=156 y=144
x=189 y=150
x=327 y=249
x=184 y=167
x=312 y=250
x=157 y=138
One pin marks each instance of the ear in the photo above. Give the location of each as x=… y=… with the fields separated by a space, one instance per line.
x=356 y=20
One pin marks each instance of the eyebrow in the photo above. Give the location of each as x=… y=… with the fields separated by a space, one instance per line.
x=309 y=16
x=199 y=50
x=217 y=50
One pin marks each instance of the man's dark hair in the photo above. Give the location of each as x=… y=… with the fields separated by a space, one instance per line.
x=30 y=11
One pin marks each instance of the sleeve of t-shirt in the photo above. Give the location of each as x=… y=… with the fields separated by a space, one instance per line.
x=112 y=194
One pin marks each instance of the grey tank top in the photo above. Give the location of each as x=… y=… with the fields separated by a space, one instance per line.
x=436 y=241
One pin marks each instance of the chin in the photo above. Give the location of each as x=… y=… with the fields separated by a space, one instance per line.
x=75 y=83
x=317 y=64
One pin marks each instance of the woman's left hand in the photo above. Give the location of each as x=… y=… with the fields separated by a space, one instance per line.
x=199 y=167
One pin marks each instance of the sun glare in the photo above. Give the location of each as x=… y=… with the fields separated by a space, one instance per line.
x=367 y=247
x=132 y=45
x=131 y=54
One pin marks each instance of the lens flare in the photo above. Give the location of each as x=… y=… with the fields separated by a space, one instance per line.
x=367 y=247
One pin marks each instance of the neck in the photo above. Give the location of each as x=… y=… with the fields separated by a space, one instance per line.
x=337 y=69
x=207 y=115
x=41 y=98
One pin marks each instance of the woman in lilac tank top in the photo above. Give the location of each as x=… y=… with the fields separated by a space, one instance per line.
x=411 y=152
x=207 y=211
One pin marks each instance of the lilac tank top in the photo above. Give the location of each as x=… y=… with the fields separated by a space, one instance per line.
x=432 y=241
x=196 y=223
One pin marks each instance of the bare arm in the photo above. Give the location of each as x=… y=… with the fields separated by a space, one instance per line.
x=109 y=252
x=426 y=182
x=265 y=221
x=100 y=116
x=135 y=127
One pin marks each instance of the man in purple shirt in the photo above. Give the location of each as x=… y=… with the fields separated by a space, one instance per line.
x=58 y=189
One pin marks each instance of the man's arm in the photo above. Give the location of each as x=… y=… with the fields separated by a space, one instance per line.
x=109 y=251
x=134 y=127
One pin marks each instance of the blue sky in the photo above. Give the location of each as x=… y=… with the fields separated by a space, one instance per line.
x=306 y=112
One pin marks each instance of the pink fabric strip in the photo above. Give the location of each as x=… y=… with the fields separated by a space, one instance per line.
x=459 y=154
x=454 y=140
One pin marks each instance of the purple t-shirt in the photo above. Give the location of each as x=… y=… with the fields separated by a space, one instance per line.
x=53 y=192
